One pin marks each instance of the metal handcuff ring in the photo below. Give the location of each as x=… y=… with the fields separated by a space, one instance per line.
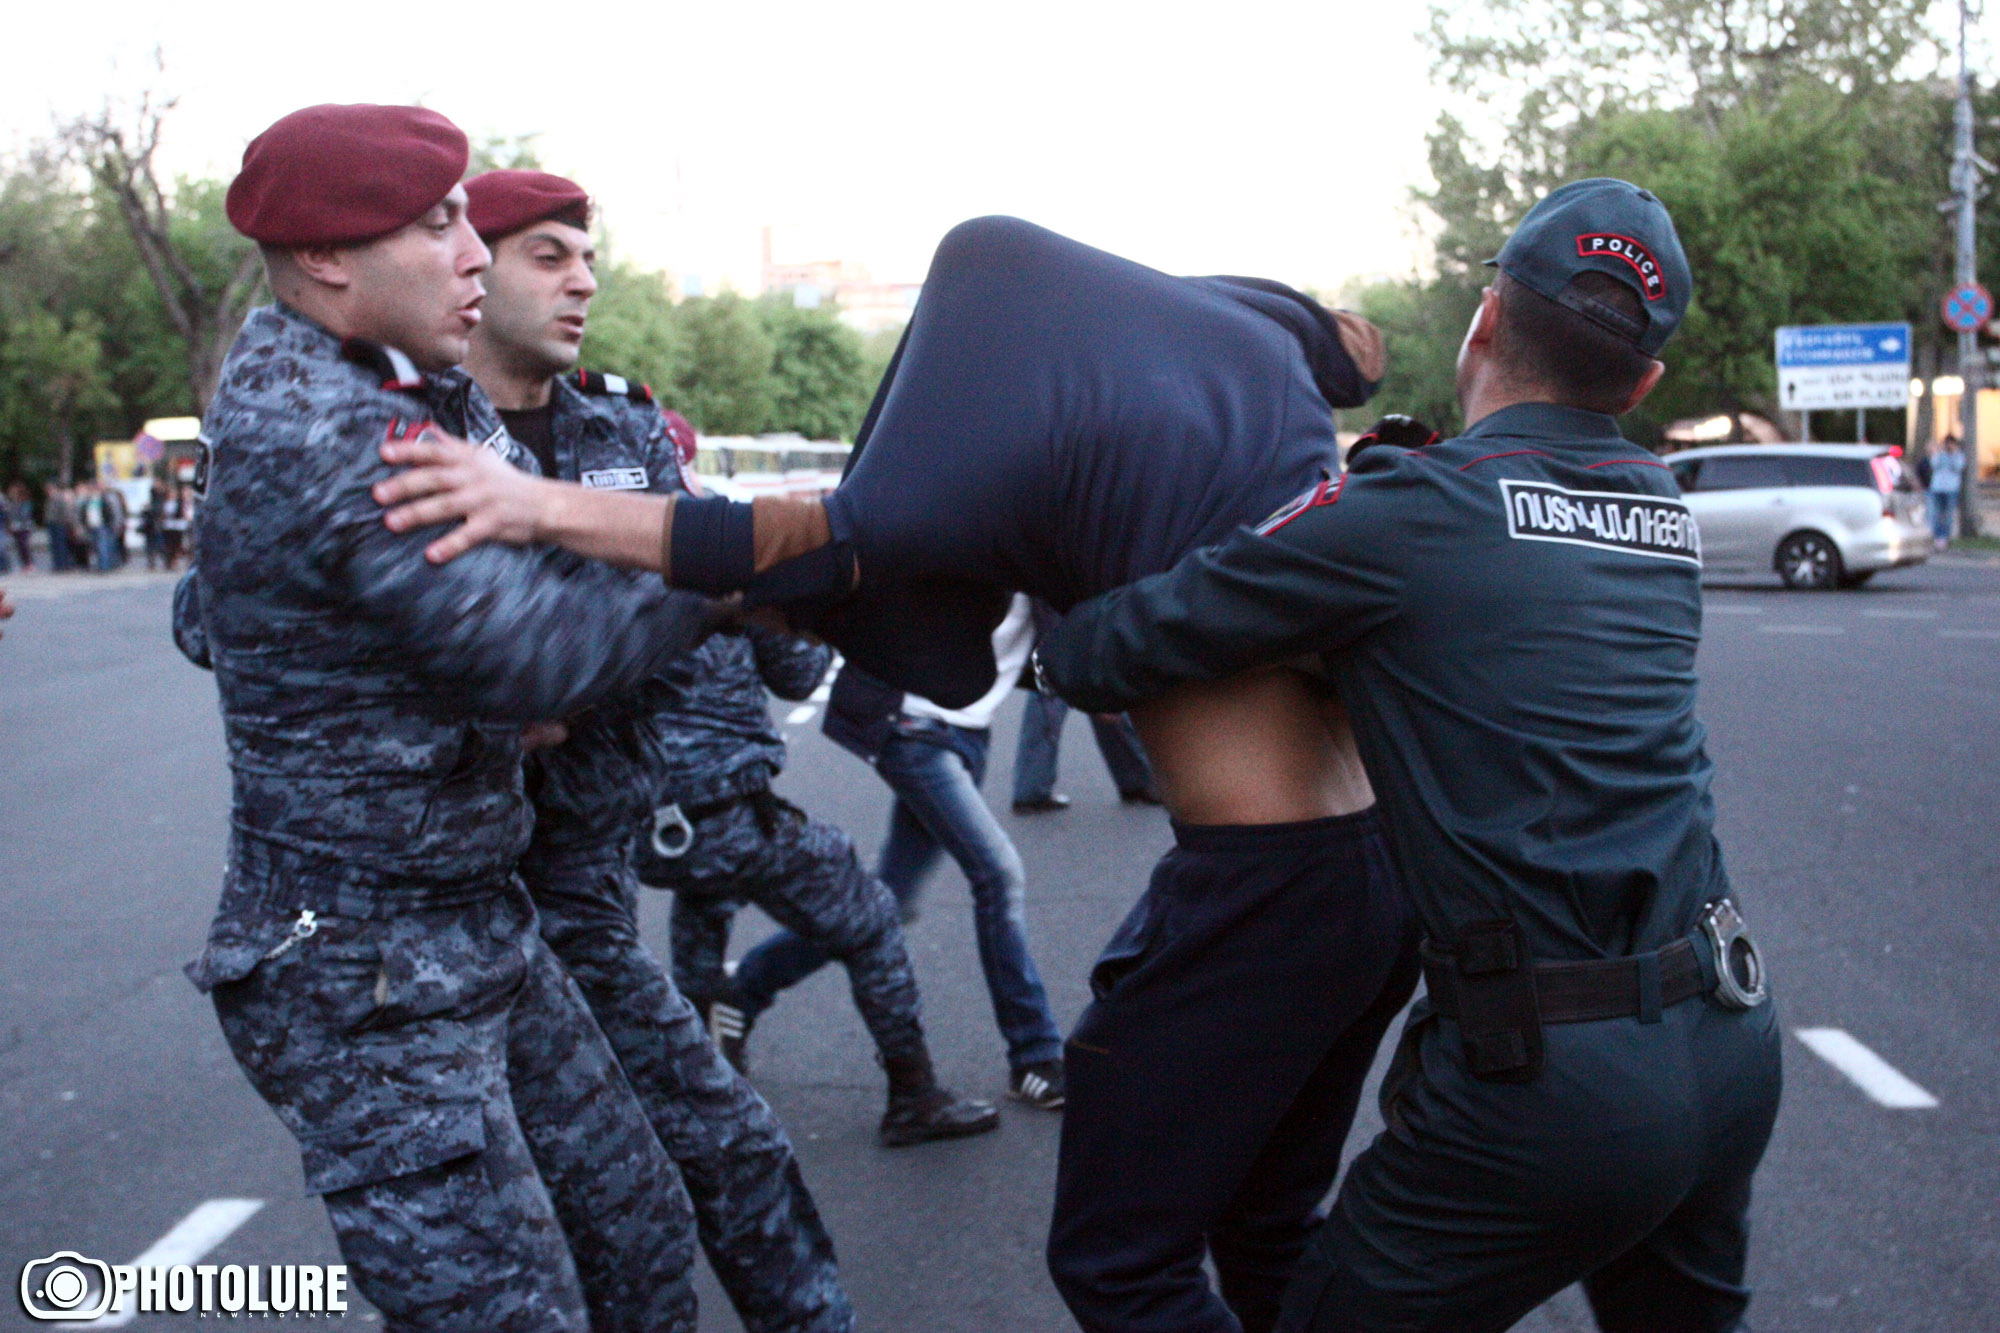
x=668 y=819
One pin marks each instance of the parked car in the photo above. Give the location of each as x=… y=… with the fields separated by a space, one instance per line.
x=1821 y=515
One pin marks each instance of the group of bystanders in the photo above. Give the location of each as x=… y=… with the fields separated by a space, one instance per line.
x=86 y=527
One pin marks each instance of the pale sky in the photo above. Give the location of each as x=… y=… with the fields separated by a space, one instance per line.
x=1277 y=139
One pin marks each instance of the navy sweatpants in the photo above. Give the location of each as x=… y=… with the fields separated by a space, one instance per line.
x=1213 y=1080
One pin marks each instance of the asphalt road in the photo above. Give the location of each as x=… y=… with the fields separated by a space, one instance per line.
x=1856 y=736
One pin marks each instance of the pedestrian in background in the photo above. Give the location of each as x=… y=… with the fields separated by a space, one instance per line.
x=59 y=517
x=934 y=759
x=20 y=515
x=1947 y=484
x=176 y=521
x=1035 y=756
x=153 y=526
x=112 y=536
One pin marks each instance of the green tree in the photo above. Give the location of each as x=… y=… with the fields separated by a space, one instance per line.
x=51 y=381
x=819 y=380
x=723 y=385
x=1801 y=160
x=205 y=275
x=633 y=330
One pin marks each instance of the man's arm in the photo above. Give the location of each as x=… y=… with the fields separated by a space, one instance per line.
x=190 y=634
x=710 y=544
x=503 y=632
x=1311 y=584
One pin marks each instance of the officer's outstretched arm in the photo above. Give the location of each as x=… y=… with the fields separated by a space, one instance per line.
x=509 y=633
x=1308 y=583
x=709 y=544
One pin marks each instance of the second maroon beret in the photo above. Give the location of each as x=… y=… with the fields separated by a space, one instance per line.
x=500 y=203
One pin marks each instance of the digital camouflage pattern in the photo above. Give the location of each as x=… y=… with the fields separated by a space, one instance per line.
x=592 y=791
x=334 y=643
x=373 y=961
x=469 y=1131
x=758 y=1223
x=720 y=741
x=806 y=876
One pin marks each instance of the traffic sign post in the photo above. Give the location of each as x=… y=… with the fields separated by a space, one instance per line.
x=1966 y=307
x=1824 y=367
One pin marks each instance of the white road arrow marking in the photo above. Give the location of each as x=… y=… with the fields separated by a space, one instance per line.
x=1869 y=1071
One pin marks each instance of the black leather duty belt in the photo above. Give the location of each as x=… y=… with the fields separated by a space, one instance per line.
x=1587 y=992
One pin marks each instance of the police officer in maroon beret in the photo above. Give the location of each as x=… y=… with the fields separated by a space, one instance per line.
x=757 y=1221
x=374 y=959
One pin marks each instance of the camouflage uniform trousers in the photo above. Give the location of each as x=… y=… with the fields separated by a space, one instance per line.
x=483 y=1162
x=805 y=875
x=758 y=1223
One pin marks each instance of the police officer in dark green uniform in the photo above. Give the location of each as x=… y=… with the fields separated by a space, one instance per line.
x=1511 y=618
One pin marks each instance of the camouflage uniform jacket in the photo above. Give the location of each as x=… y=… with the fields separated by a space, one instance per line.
x=720 y=741
x=591 y=791
x=372 y=702
x=701 y=725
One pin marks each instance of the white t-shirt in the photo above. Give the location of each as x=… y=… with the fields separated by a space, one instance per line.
x=1012 y=642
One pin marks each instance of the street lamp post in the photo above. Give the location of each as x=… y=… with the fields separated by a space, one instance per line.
x=1965 y=169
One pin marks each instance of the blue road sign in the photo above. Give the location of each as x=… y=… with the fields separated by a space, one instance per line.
x=1843 y=345
x=1825 y=366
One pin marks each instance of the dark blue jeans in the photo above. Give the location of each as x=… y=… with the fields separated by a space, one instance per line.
x=1042 y=719
x=935 y=770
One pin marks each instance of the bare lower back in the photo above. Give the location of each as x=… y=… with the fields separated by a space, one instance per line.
x=1266 y=747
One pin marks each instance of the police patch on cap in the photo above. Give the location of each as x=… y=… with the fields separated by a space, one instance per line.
x=1606 y=226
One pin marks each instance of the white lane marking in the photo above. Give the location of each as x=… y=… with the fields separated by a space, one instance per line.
x=1869 y=1071
x=1731 y=609
x=822 y=694
x=1802 y=629
x=1901 y=615
x=192 y=1237
x=1969 y=634
x=799 y=716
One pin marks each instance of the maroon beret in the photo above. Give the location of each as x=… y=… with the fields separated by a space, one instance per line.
x=500 y=203
x=336 y=175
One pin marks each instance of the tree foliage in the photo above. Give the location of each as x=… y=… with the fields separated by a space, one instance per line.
x=1796 y=142
x=732 y=365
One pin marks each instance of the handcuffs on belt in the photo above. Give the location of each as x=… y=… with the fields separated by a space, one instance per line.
x=669 y=820
x=1739 y=967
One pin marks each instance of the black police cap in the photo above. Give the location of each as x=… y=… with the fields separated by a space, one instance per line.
x=1607 y=226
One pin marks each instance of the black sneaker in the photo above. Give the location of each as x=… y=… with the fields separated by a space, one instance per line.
x=1040 y=1085
x=729 y=1027
x=1049 y=804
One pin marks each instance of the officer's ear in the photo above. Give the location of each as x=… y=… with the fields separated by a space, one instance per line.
x=1654 y=370
x=327 y=265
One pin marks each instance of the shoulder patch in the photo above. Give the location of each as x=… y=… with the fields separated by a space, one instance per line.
x=1647 y=525
x=397 y=371
x=1325 y=492
x=614 y=386
x=204 y=465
